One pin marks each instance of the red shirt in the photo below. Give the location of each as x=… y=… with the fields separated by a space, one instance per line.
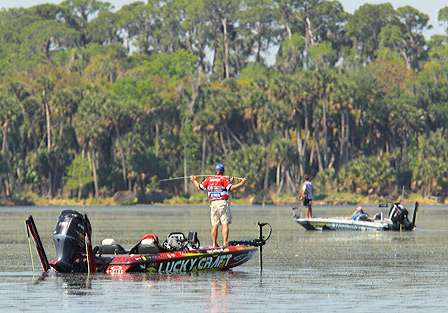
x=217 y=187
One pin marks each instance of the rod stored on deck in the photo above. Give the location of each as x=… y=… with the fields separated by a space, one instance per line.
x=91 y=266
x=31 y=227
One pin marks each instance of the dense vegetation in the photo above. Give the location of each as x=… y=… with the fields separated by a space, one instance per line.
x=95 y=100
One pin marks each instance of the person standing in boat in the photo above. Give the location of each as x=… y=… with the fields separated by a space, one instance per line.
x=218 y=188
x=306 y=195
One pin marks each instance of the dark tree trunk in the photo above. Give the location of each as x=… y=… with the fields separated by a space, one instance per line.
x=204 y=152
x=122 y=156
x=226 y=48
x=185 y=171
x=92 y=158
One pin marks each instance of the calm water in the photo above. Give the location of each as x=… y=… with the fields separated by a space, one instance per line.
x=303 y=271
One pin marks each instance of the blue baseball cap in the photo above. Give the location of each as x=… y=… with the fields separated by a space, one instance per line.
x=219 y=167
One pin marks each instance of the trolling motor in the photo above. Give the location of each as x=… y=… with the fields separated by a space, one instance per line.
x=258 y=242
x=262 y=241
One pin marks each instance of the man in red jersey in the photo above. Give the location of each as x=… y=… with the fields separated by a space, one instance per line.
x=218 y=188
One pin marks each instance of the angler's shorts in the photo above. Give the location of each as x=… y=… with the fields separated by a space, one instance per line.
x=220 y=212
x=307 y=202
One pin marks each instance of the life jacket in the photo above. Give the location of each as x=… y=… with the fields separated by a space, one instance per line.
x=217 y=187
x=359 y=216
x=308 y=190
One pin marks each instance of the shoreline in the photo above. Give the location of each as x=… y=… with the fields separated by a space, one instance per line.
x=336 y=198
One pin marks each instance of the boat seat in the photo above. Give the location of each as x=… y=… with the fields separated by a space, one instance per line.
x=109 y=246
x=148 y=246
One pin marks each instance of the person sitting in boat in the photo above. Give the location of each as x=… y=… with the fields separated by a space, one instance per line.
x=360 y=215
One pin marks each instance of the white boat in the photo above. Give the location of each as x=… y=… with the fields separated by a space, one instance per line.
x=341 y=223
x=378 y=223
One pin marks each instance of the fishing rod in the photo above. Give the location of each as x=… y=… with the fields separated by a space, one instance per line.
x=183 y=177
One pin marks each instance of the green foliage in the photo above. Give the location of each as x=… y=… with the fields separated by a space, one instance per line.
x=254 y=71
x=443 y=16
x=250 y=162
x=323 y=55
x=371 y=175
x=326 y=181
x=404 y=35
x=290 y=56
x=156 y=89
x=429 y=164
x=79 y=173
x=365 y=26
x=438 y=48
x=104 y=28
x=177 y=64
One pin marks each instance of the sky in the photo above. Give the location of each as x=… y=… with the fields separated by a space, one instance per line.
x=430 y=7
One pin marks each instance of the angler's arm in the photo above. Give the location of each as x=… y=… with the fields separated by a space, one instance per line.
x=195 y=182
x=236 y=186
x=302 y=193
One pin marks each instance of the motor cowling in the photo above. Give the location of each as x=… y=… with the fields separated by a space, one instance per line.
x=407 y=225
x=69 y=240
x=399 y=217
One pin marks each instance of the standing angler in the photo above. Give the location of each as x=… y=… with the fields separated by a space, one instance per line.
x=306 y=195
x=218 y=188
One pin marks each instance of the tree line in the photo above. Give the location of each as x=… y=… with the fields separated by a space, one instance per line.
x=95 y=100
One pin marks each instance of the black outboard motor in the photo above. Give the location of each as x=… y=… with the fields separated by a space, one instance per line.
x=399 y=216
x=69 y=240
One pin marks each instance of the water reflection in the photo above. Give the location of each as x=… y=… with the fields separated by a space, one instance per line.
x=37 y=280
x=220 y=291
x=401 y=237
x=75 y=284
x=214 y=289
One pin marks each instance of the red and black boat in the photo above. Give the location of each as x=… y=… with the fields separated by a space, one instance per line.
x=177 y=254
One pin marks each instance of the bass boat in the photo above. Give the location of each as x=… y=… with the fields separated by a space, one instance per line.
x=398 y=222
x=72 y=238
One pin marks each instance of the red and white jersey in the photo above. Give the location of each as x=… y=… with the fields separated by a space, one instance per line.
x=217 y=187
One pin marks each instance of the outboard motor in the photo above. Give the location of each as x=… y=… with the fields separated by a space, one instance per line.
x=69 y=240
x=407 y=225
x=399 y=217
